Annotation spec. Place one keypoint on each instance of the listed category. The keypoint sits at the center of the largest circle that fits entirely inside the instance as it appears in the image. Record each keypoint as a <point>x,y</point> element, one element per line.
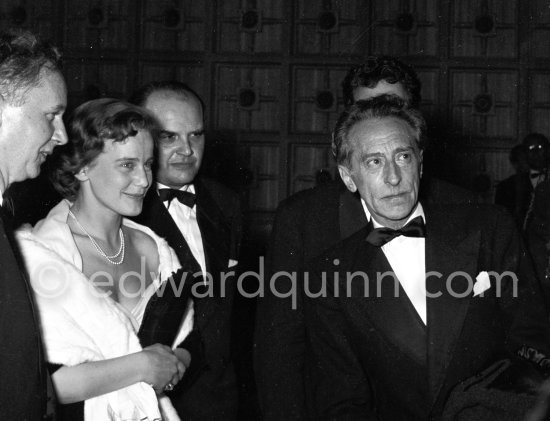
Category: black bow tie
<point>536,174</point>
<point>8,207</point>
<point>380,236</point>
<point>185,197</point>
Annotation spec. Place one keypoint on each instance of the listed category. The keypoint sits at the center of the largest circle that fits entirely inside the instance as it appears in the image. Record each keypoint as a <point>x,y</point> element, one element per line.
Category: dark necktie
<point>184,197</point>
<point>380,236</point>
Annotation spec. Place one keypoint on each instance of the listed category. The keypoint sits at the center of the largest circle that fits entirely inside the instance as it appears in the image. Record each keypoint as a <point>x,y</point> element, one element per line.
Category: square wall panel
<point>316,98</point>
<point>189,73</point>
<point>174,25</point>
<point>247,97</point>
<point>481,170</point>
<point>332,27</point>
<point>26,14</point>
<point>539,102</point>
<point>90,79</point>
<point>406,27</point>
<point>429,78</point>
<point>263,163</point>
<point>484,104</point>
<point>539,28</point>
<point>312,165</point>
<point>251,26</point>
<point>95,25</point>
<point>498,164</point>
<point>484,28</point>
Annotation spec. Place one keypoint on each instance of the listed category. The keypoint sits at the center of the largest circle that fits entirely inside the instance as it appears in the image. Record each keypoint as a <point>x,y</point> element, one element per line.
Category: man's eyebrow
<point>167,132</point>
<point>404,148</point>
<point>370,155</point>
<point>128,158</point>
<point>58,108</point>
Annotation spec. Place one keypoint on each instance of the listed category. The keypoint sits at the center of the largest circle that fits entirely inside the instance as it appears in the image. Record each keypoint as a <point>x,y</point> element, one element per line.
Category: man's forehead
<point>381,129</point>
<point>163,98</point>
<point>53,87</point>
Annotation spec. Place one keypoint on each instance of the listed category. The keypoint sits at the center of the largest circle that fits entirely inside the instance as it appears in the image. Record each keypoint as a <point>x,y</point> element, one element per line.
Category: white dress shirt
<point>186,220</point>
<point>407,257</point>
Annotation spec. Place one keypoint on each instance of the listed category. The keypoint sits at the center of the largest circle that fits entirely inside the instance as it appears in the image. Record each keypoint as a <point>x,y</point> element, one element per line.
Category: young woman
<point>93,271</point>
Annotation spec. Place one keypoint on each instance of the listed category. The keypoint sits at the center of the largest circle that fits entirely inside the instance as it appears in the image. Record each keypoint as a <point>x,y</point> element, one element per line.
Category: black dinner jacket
<point>22,370</point>
<point>214,395</point>
<point>369,355</point>
<point>306,224</point>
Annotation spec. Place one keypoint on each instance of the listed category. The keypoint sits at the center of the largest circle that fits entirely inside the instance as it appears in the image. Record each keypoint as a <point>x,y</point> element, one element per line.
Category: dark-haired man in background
<point>201,220</point>
<point>33,97</point>
<point>516,192</point>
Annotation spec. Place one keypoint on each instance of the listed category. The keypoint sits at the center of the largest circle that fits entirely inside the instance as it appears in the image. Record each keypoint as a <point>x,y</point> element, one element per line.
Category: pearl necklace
<point>99,249</point>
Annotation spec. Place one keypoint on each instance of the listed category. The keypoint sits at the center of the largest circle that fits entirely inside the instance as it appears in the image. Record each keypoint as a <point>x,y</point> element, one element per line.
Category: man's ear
<point>346,178</point>
<point>82,175</point>
<point>421,155</point>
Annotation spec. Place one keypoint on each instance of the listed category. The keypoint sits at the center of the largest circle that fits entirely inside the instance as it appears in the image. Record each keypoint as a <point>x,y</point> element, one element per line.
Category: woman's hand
<point>161,367</point>
<point>184,356</point>
<point>156,365</point>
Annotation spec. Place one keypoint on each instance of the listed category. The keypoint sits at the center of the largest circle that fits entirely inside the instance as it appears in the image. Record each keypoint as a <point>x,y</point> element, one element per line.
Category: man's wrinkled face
<point>181,140</point>
<point>29,131</point>
<point>385,168</point>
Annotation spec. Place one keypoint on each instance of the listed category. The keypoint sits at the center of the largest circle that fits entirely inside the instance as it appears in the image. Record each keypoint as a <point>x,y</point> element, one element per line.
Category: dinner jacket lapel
<point>156,216</point>
<point>388,307</point>
<point>451,255</point>
<point>351,214</point>
<point>216,237</point>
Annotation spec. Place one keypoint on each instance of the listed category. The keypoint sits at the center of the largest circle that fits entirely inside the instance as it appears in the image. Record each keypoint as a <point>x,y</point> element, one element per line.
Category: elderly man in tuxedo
<point>306,224</point>
<point>33,97</point>
<point>201,220</point>
<point>422,297</point>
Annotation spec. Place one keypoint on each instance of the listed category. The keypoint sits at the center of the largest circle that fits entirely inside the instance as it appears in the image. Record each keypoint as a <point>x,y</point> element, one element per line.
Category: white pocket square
<point>232,263</point>
<point>482,283</point>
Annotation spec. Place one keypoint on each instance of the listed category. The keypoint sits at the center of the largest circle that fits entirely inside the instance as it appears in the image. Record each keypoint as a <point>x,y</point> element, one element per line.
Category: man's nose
<point>185,147</point>
<point>392,174</point>
<point>59,134</point>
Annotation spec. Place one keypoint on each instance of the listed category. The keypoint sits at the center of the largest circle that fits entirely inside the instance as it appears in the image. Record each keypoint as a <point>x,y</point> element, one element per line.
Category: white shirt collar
<point>419,211</point>
<point>188,187</point>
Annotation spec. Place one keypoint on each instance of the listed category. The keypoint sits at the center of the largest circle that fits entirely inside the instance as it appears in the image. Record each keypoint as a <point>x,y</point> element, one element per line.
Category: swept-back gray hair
<point>372,109</point>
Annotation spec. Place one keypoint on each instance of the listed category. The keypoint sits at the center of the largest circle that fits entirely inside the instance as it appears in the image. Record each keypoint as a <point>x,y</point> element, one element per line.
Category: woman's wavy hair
<point>90,125</point>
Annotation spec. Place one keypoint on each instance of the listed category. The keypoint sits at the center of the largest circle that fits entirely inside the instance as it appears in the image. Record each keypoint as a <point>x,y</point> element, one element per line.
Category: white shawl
<point>80,323</point>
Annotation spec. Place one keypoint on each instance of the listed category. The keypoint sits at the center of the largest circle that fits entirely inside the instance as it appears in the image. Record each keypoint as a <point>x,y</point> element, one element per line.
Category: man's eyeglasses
<point>533,148</point>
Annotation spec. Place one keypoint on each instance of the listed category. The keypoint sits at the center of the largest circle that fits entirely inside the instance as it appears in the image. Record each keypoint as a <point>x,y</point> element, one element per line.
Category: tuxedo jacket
<point>22,370</point>
<point>370,356</point>
<point>306,224</point>
<point>213,396</point>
